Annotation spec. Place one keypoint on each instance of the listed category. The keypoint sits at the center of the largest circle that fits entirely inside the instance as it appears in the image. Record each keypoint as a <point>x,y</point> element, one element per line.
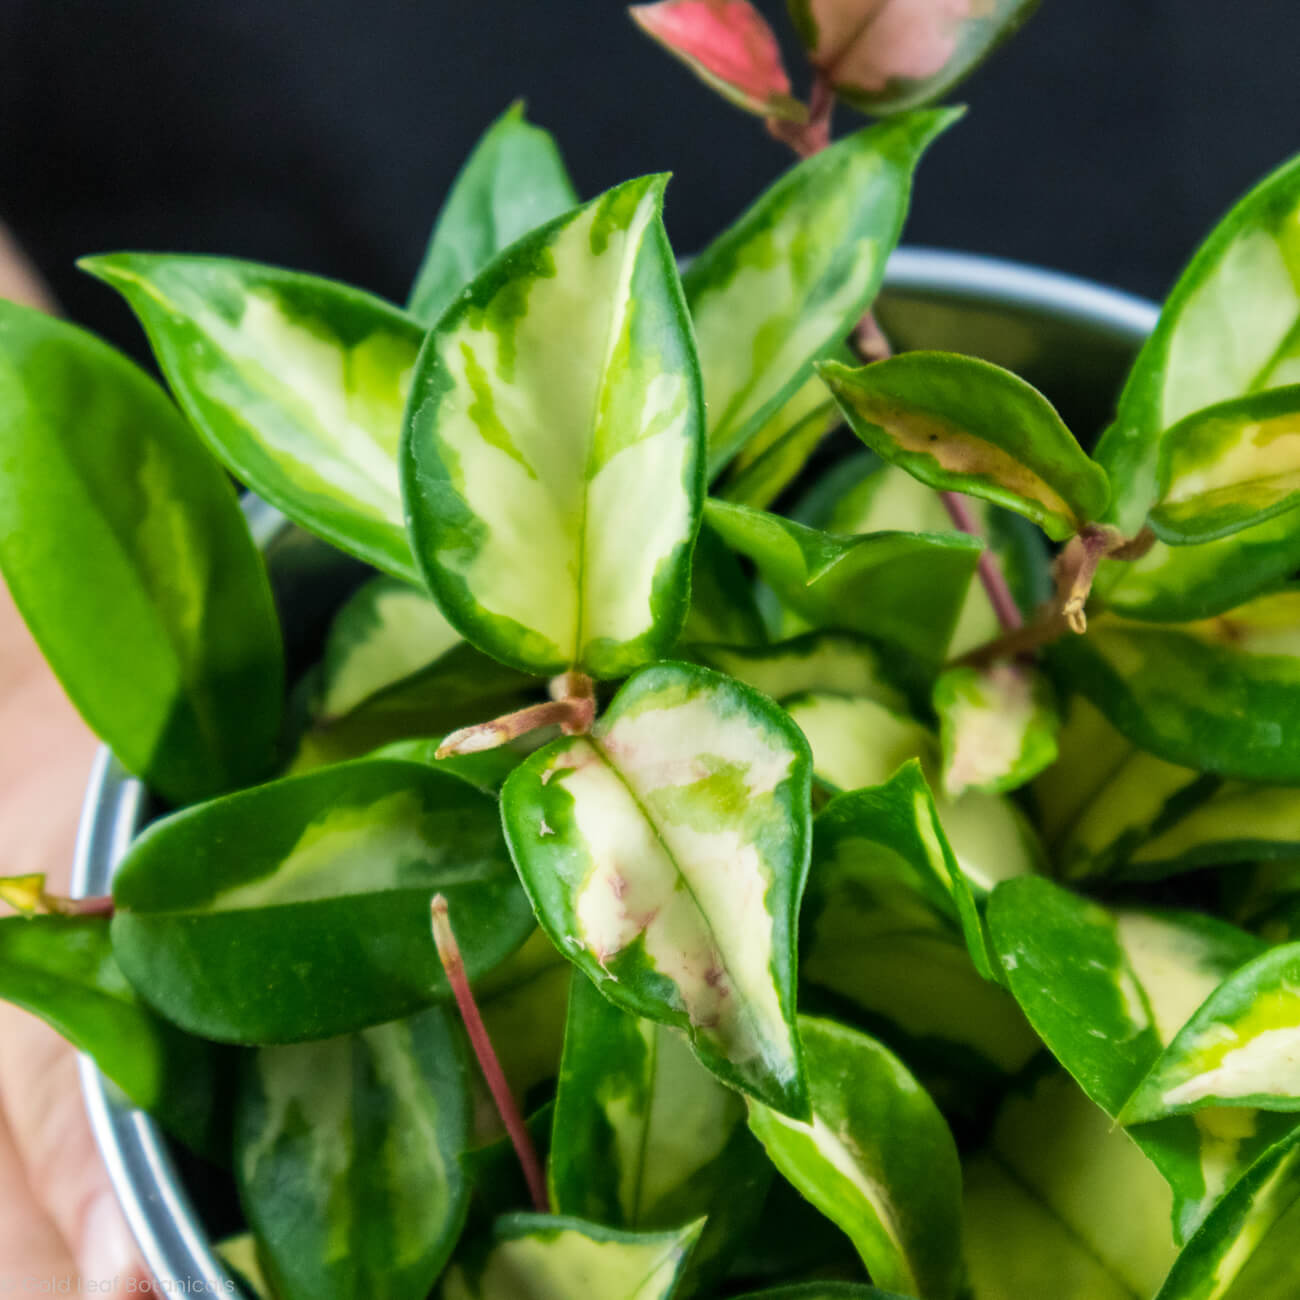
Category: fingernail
<point>107,1251</point>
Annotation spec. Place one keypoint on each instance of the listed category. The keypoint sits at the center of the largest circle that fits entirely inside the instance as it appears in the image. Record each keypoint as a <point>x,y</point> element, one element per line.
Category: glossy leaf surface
<point>795,273</point>
<point>296,383</point>
<point>885,57</point>
<point>549,1257</point>
<point>903,588</point>
<point>126,552</point>
<point>729,45</point>
<point>963,425</point>
<point>512,182</point>
<point>876,1158</point>
<point>1220,696</point>
<point>1239,1048</point>
<point>327,879</point>
<point>552,459</point>
<point>997,726</point>
<point>644,1137</point>
<point>1229,467</point>
<point>1230,327</point>
<point>62,970</point>
<point>348,1159</point>
<point>665,854</point>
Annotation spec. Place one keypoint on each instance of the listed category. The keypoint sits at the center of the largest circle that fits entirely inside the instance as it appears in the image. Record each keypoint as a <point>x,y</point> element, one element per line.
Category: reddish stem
<point>449,954</point>
<point>101,905</point>
<point>573,714</point>
<point>991,575</point>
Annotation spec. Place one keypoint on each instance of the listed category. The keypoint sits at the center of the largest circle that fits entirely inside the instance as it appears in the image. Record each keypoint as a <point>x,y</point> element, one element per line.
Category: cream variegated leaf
<point>296,383</point>
<point>553,454</point>
<point>665,854</point>
<point>546,1256</point>
<point>794,274</point>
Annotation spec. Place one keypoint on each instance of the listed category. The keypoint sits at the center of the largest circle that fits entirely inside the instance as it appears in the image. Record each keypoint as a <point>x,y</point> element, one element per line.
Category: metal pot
<point>1068,337</point>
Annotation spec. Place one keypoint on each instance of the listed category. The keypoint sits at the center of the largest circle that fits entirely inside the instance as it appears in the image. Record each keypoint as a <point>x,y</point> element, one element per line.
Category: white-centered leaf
<point>876,1158</point>
<point>665,854</point>
<point>553,453</point>
<point>296,383</point>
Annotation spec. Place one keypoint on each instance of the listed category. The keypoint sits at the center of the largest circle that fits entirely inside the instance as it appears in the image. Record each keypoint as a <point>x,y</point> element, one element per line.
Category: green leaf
<point>348,1159</point>
<point>300,909</point>
<point>1229,467</point>
<point>881,58</point>
<point>243,1256</point>
<point>876,1158</point>
<point>793,275</point>
<point>296,383</point>
<point>62,969</point>
<point>997,725</point>
<point>776,454</point>
<point>834,662</point>
<point>644,1137</point>
<point>902,588</point>
<point>898,821</point>
<point>1060,1203</point>
<point>386,631</point>
<point>1172,584</point>
<point>665,855</point>
<point>1220,696</point>
<point>546,1256</point>
<point>512,182</point>
<point>823,1291</point>
<point>723,607</point>
<point>963,425</point>
<point>1245,1250</point>
<point>126,552</point>
<point>553,454</point>
<point>1230,327</point>
<point>1239,1048</point>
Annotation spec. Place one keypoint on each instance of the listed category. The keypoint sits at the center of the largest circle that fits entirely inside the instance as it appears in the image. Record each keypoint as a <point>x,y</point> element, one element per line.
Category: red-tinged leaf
<point>728,44</point>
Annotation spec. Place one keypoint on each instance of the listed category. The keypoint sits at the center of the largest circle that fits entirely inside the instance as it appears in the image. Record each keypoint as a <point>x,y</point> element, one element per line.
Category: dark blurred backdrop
<point>1104,139</point>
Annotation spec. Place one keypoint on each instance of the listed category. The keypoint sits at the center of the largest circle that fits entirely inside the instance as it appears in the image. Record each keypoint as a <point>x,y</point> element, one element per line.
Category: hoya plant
<point>694,865</point>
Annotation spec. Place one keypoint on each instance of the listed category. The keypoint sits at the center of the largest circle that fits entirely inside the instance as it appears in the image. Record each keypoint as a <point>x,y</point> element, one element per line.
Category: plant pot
<point>1070,338</point>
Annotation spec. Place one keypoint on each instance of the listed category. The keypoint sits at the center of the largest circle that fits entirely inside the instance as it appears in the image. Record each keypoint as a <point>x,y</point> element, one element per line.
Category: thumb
<point>41,1095</point>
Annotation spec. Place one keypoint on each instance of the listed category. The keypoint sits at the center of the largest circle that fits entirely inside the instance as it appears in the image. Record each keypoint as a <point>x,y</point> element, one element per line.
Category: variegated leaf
<point>1230,327</point>
<point>883,57</point>
<point>1060,1203</point>
<point>327,878</point>
<point>386,631</point>
<point>729,45</point>
<point>512,182</point>
<point>644,1137</point>
<point>123,547</point>
<point>795,273</point>
<point>296,383</point>
<point>963,425</point>
<point>823,1291</point>
<point>1229,467</point>
<point>347,1154</point>
<point>876,1158</point>
<point>1221,696</point>
<point>857,742</point>
<point>1240,1048</point>
<point>1245,1250</point>
<point>775,456</point>
<point>997,726</point>
<point>902,588</point>
<point>665,854</point>
<point>834,662</point>
<point>553,453</point>
<point>546,1257</point>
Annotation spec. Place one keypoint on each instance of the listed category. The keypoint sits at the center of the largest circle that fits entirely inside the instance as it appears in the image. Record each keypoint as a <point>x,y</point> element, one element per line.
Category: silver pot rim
<point>157,1207</point>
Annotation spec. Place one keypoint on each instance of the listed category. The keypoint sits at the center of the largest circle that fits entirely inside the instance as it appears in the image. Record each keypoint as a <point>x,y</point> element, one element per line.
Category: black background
<point>1104,139</point>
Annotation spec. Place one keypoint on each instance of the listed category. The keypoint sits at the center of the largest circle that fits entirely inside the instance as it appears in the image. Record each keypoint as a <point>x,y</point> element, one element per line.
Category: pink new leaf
<point>729,45</point>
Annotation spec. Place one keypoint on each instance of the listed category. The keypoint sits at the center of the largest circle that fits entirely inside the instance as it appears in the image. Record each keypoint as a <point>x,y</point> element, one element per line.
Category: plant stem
<point>449,954</point>
<point>812,136</point>
<point>572,708</point>
<point>990,571</point>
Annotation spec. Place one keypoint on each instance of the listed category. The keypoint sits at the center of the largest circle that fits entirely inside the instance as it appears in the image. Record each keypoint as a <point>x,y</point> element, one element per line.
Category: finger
<point>41,1094</point>
<point>31,1251</point>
